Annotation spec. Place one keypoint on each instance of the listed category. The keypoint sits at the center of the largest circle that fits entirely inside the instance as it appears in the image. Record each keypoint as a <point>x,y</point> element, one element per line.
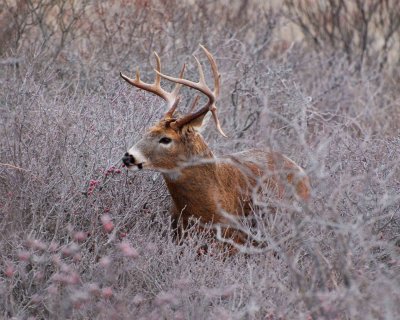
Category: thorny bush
<point>83,238</point>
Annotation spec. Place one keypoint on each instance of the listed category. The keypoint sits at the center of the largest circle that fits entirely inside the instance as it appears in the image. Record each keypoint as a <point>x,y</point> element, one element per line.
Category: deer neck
<point>194,186</point>
<point>196,170</point>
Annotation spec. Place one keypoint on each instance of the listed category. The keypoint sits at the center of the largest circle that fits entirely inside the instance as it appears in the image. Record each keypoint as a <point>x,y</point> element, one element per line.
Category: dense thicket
<point>82,238</point>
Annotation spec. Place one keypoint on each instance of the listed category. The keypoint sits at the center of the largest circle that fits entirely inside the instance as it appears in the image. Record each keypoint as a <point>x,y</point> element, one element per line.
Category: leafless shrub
<point>364,30</point>
<point>81,238</point>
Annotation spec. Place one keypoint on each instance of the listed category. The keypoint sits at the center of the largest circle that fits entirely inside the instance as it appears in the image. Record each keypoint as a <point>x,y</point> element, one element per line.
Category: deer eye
<point>165,140</point>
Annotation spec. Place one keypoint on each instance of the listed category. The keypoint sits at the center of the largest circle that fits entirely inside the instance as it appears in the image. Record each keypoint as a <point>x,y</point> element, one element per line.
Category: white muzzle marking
<point>139,158</point>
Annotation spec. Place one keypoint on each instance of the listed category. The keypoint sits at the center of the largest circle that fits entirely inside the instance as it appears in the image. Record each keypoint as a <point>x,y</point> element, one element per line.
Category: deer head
<point>174,140</point>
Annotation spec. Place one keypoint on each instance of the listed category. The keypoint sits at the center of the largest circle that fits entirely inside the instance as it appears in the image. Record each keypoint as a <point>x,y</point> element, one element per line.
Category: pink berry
<point>107,292</point>
<point>107,223</point>
<point>80,236</point>
<point>9,272</point>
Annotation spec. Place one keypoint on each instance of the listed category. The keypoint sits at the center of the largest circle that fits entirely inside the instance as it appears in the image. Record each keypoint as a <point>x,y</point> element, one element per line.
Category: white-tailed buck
<point>201,184</point>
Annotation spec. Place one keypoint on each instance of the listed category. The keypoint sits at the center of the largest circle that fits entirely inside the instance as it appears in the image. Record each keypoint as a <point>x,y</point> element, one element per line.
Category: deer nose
<point>128,159</point>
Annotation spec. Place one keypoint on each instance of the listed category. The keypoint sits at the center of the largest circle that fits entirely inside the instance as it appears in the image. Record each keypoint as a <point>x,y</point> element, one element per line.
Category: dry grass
<point>82,238</point>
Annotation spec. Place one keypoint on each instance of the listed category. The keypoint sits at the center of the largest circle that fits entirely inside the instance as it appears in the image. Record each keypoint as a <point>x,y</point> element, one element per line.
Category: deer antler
<point>202,87</point>
<point>171,98</point>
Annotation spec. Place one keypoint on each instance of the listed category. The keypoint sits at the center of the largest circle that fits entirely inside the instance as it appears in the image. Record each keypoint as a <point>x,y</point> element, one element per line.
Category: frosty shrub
<point>82,238</point>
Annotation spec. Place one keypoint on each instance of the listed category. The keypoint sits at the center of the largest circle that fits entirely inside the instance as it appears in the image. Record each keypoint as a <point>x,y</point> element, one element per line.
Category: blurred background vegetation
<point>80,238</point>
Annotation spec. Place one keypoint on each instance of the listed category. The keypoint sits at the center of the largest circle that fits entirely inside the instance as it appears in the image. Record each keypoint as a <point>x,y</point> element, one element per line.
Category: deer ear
<point>199,123</point>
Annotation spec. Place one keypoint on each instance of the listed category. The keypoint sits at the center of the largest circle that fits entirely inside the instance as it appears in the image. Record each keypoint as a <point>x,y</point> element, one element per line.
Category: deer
<point>202,185</point>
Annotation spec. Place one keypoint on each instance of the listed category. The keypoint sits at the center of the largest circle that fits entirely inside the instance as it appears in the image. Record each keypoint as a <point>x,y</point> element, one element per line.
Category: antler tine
<point>214,68</point>
<point>178,85</point>
<point>217,123</point>
<point>174,93</point>
<point>194,103</point>
<point>202,79</point>
<point>170,97</point>
<point>157,81</point>
<point>202,87</point>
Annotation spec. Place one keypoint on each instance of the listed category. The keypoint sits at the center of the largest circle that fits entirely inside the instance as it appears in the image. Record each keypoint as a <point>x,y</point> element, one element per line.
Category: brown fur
<point>202,185</point>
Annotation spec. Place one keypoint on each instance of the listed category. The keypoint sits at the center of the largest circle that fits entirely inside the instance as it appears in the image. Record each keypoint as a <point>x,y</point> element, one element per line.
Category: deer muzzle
<point>128,159</point>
